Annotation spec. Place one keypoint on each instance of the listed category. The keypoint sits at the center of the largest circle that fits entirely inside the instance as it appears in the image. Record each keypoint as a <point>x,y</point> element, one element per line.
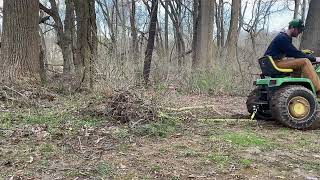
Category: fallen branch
<point>194,107</point>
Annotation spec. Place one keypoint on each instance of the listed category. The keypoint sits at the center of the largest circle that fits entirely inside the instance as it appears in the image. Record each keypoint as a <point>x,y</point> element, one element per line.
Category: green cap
<point>297,23</point>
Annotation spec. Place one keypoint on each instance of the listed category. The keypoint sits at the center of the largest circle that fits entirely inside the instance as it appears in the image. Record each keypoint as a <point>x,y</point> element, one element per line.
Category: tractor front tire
<point>262,114</point>
<point>295,107</point>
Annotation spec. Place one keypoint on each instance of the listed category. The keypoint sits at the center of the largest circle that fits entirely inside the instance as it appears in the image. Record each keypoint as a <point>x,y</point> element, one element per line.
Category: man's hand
<point>318,59</point>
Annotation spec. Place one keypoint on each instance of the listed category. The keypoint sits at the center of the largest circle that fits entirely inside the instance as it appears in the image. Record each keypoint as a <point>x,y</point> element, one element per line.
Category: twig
<point>80,145</point>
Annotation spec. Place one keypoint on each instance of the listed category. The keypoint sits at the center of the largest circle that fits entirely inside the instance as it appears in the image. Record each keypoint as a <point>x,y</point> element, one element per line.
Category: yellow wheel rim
<point>299,107</point>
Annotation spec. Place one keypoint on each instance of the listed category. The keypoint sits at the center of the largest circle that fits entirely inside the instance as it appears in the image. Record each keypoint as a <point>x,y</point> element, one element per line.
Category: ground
<point>190,140</point>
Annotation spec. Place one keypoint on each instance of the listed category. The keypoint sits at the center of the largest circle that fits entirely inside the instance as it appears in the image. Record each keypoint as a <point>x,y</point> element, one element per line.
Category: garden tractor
<point>284,97</point>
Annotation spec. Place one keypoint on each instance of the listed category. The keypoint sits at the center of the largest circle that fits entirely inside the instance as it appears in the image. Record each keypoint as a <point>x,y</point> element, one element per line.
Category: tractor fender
<point>279,82</point>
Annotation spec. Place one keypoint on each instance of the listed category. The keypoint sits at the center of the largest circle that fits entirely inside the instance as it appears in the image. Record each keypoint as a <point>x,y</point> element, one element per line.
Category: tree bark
<point>304,10</point>
<point>296,9</point>
<point>67,41</point>
<point>175,15</point>
<point>43,62</point>
<point>233,34</point>
<point>20,40</point>
<point>166,28</point>
<point>86,43</point>
<point>196,23</point>
<point>222,23</point>
<point>311,36</point>
<point>151,39</point>
<point>65,34</point>
<point>134,34</point>
<point>204,34</point>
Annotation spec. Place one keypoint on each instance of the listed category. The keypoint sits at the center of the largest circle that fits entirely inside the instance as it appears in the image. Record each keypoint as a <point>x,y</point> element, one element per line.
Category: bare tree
<point>304,10</point>
<point>166,27</point>
<point>311,36</point>
<point>151,40</point>
<point>219,15</point>
<point>259,18</point>
<point>20,40</point>
<point>65,32</point>
<point>296,8</point>
<point>111,14</point>
<point>86,42</point>
<point>134,34</point>
<point>233,34</point>
<point>174,10</point>
<point>203,33</point>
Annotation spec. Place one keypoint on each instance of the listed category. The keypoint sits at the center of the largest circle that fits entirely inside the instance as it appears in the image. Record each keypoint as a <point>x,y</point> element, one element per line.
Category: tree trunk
<point>65,35</point>
<point>218,23</point>
<point>311,36</point>
<point>67,42</point>
<point>151,39</point>
<point>134,45</point>
<point>86,42</point>
<point>166,29</point>
<point>221,6</point>
<point>233,35</point>
<point>196,23</point>
<point>175,14</point>
<point>43,62</point>
<point>304,10</point>
<point>20,40</point>
<point>296,9</point>
<point>204,34</point>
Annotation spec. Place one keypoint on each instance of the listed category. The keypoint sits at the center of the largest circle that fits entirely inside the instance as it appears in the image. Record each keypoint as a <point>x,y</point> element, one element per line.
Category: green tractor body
<point>290,100</point>
<point>274,83</point>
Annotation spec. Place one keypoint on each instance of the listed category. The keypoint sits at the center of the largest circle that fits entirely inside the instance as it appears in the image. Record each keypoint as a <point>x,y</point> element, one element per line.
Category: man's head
<point>296,27</point>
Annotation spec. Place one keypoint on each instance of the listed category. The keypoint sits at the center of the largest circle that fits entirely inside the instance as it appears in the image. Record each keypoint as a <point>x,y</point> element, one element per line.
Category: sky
<point>278,21</point>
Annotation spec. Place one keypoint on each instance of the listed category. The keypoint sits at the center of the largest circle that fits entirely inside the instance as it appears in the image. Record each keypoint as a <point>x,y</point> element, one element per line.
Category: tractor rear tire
<point>262,114</point>
<point>284,98</point>
<point>316,124</point>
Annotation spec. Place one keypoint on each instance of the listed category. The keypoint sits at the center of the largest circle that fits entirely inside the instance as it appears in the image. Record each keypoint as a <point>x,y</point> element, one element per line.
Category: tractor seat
<point>269,68</point>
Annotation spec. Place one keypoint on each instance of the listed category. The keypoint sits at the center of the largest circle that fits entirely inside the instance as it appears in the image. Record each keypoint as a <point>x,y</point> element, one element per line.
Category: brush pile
<point>125,107</point>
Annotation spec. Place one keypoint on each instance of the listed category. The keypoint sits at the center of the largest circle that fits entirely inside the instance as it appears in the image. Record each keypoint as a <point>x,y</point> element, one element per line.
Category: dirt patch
<point>201,150</point>
<point>62,143</point>
<point>206,106</point>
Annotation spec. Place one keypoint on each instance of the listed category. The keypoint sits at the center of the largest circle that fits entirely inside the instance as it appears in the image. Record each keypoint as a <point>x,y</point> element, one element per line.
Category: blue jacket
<point>281,46</point>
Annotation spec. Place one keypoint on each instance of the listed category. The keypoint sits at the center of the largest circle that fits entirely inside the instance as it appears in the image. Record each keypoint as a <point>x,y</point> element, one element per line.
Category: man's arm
<point>291,51</point>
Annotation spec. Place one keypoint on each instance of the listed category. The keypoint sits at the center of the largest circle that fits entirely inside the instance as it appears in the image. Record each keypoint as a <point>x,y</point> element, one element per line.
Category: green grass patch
<point>47,148</point>
<point>48,119</point>
<point>104,169</point>
<point>123,147</point>
<point>75,173</point>
<point>246,162</point>
<point>53,120</point>
<point>246,139</point>
<point>180,146</point>
<point>162,128</point>
<point>189,153</point>
<point>220,159</point>
<point>121,134</point>
<point>155,168</point>
<point>7,120</point>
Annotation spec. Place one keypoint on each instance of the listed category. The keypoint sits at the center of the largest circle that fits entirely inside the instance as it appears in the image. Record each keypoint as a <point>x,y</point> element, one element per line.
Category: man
<point>281,47</point>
